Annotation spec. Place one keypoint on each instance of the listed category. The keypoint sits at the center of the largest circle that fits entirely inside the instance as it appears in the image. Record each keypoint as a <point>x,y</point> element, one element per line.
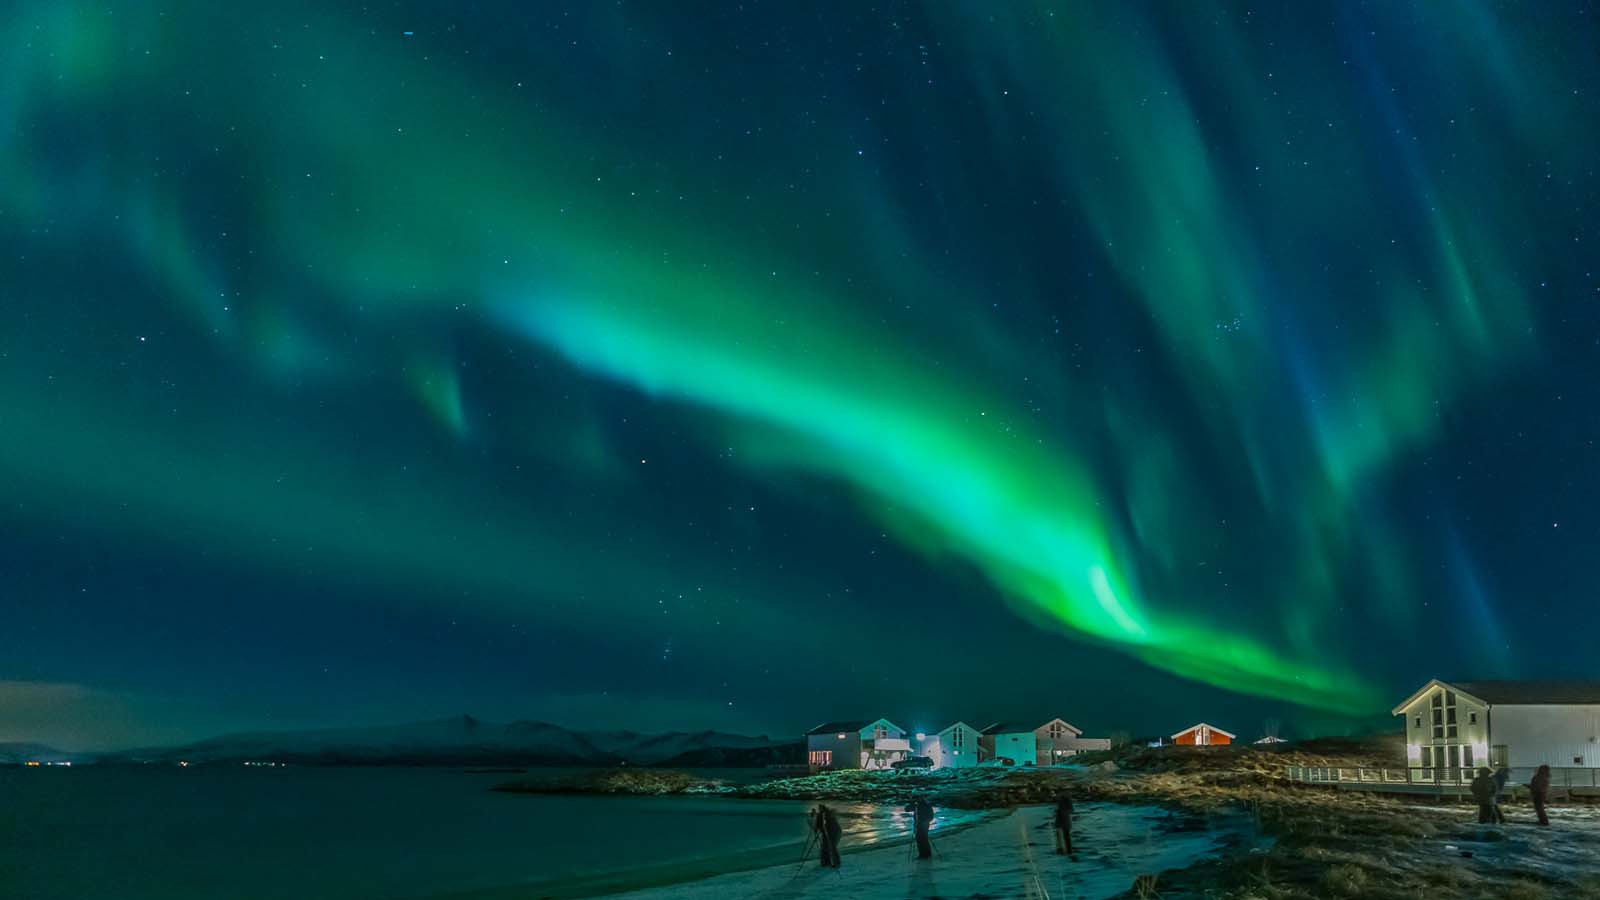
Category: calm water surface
<point>330,834</point>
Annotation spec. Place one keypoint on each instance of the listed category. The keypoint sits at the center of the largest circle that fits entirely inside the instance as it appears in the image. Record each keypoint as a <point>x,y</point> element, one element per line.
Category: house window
<point>1472,718</point>
<point>822,759</point>
<point>1057,729</point>
<point>955,739</point>
<point>1419,720</point>
<point>1466,755</point>
<point>879,732</point>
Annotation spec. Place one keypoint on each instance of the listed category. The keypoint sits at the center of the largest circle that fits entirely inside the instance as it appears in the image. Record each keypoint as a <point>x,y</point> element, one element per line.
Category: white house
<point>955,746</point>
<point>1454,727</point>
<point>856,744</point>
<point>1037,745</point>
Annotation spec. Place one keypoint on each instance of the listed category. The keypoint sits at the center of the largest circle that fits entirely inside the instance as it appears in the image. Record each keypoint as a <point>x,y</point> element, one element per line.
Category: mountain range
<point>460,740</point>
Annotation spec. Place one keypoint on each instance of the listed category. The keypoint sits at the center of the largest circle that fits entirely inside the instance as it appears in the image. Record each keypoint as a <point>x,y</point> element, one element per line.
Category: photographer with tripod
<point>827,831</point>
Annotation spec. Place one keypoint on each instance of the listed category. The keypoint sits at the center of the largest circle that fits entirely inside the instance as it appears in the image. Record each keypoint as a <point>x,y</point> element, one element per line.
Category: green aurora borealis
<point>1080,307</point>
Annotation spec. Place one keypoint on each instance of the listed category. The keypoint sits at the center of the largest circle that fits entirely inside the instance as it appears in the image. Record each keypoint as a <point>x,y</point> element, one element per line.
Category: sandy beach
<point>1006,854</point>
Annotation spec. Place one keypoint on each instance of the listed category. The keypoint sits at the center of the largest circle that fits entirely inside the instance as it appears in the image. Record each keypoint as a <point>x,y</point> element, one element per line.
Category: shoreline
<point>692,871</point>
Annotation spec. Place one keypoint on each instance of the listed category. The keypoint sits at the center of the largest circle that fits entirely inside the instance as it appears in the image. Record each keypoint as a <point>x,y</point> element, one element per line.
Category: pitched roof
<point>1533,692</point>
<point>1019,727</point>
<point>836,727</point>
<point>952,727</point>
<point>1227,734</point>
<point>1513,693</point>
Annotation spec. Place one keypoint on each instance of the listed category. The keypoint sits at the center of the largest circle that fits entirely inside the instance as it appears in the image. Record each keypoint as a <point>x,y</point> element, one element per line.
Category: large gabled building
<point>1452,727</point>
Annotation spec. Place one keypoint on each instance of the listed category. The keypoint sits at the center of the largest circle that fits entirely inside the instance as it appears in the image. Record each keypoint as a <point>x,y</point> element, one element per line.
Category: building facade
<point>1203,735</point>
<point>1028,744</point>
<point>1454,727</point>
<point>955,746</point>
<point>856,744</point>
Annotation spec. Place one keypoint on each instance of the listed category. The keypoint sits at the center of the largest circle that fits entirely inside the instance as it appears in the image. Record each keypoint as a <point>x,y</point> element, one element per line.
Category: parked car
<point>913,762</point>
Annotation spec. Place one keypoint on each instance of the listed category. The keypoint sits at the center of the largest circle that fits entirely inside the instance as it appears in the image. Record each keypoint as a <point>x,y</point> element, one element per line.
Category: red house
<point>1203,735</point>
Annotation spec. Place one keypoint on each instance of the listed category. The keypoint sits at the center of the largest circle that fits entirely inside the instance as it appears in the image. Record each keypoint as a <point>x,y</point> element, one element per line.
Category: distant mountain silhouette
<point>459,740</point>
<point>20,753</point>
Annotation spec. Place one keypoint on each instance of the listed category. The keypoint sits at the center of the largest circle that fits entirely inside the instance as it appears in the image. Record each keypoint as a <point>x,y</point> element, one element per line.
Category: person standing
<point>1539,787</point>
<point>922,820</point>
<point>1501,776</point>
<point>1483,791</point>
<point>1063,823</point>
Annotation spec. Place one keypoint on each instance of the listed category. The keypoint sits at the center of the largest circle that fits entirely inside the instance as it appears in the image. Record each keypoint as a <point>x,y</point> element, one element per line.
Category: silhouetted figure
<point>826,825</point>
<point>1539,787</point>
<point>922,820</point>
<point>1500,778</point>
<point>1063,823</point>
<point>1483,791</point>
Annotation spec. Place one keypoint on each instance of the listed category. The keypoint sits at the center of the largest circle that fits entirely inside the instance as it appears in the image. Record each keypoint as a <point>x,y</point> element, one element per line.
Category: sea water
<point>141,833</point>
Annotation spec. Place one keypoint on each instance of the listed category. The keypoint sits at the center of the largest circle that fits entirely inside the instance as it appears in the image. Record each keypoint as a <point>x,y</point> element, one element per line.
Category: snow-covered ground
<point>1006,854</point>
<point>1566,851</point>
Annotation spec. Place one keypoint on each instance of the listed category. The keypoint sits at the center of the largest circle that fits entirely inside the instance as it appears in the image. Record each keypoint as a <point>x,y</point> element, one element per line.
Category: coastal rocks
<point>984,787</point>
<point>618,781</point>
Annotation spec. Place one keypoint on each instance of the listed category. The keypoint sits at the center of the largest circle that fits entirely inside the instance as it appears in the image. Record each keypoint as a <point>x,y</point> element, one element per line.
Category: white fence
<point>1433,776</point>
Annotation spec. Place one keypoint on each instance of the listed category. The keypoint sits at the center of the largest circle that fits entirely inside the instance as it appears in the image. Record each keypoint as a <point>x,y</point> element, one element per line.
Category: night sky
<point>750,364</point>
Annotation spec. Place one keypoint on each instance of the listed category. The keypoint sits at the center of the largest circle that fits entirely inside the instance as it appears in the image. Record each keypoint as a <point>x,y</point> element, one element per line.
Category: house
<point>1203,735</point>
<point>955,746</point>
<point>1454,727</point>
<point>1027,744</point>
<point>856,744</point>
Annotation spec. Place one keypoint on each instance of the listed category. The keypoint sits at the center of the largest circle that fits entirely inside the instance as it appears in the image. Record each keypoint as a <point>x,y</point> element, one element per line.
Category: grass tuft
<point>1346,880</point>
